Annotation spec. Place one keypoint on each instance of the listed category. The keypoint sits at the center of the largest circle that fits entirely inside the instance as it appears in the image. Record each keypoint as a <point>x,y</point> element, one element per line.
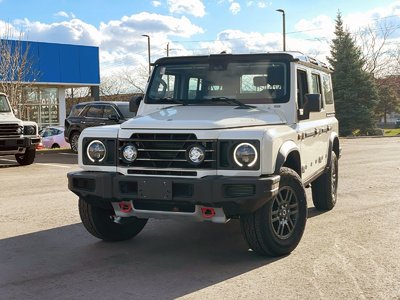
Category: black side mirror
<point>312,103</point>
<point>113,117</point>
<point>134,103</point>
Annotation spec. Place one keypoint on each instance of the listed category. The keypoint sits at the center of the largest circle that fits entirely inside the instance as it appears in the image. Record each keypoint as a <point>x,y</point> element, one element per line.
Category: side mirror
<point>134,103</point>
<point>312,103</point>
<point>113,117</point>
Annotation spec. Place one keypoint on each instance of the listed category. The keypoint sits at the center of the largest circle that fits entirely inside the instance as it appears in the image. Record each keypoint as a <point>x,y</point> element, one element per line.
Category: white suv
<point>216,138</point>
<point>17,137</point>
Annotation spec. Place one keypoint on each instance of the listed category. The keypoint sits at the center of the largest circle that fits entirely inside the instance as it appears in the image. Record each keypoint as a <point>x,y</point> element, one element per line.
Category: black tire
<point>73,141</point>
<point>55,146</point>
<point>276,228</point>
<point>324,189</point>
<point>27,158</point>
<point>98,221</point>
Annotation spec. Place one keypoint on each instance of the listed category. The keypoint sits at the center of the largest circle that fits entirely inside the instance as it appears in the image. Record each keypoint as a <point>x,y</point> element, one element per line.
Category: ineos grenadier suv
<point>216,138</point>
<point>17,137</point>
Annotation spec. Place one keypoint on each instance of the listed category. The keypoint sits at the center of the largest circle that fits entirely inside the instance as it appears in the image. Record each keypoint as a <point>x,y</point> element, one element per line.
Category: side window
<point>326,84</point>
<point>95,111</point>
<point>315,84</point>
<point>195,88</point>
<point>302,87</point>
<point>109,110</point>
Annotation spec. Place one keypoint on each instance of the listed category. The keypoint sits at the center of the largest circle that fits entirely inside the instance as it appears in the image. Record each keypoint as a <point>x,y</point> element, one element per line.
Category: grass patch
<point>392,132</point>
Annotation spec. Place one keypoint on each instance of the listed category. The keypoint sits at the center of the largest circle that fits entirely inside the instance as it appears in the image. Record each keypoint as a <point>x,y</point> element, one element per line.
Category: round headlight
<point>96,151</point>
<point>245,154</point>
<point>129,153</point>
<point>29,130</point>
<point>196,155</point>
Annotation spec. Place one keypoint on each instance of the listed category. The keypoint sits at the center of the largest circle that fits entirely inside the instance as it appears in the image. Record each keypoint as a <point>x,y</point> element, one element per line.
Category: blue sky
<point>190,26</point>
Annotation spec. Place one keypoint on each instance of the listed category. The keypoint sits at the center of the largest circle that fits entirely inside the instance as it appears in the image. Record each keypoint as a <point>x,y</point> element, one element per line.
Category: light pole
<point>283,27</point>
<point>148,50</point>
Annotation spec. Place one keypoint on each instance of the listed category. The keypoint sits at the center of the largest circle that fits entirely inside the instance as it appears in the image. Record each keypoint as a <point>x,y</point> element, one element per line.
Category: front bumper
<point>235,195</point>
<point>17,143</point>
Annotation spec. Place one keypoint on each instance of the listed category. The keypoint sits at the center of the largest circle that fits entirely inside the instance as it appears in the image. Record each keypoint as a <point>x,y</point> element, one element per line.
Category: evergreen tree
<point>355,91</point>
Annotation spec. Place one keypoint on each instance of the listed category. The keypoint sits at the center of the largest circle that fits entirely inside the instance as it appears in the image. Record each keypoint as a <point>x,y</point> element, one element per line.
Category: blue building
<point>55,68</point>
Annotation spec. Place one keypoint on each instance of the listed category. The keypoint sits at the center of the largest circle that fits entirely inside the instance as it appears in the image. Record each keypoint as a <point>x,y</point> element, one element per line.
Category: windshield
<point>4,107</point>
<point>247,82</point>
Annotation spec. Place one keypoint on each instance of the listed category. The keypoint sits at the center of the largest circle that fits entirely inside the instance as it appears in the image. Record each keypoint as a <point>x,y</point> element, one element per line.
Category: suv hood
<point>8,117</point>
<point>204,117</point>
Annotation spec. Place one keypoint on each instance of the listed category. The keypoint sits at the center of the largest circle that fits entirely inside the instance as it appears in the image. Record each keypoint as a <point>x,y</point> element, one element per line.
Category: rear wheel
<point>324,189</point>
<point>99,222</point>
<point>27,158</point>
<point>73,140</point>
<point>276,228</point>
<point>55,146</point>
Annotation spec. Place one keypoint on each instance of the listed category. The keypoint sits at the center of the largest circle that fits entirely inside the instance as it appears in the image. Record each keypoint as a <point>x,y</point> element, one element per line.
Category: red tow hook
<point>207,212</point>
<point>125,207</point>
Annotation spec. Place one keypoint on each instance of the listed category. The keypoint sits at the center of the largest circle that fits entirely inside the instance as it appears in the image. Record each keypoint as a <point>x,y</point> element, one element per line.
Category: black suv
<point>97,113</point>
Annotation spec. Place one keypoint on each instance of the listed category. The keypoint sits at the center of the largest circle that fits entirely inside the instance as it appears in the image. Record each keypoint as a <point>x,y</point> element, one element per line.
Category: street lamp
<point>283,27</point>
<point>148,50</point>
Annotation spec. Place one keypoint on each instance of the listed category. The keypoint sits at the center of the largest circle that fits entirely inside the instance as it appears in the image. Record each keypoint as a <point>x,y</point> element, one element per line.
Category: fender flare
<point>334,136</point>
<point>284,151</point>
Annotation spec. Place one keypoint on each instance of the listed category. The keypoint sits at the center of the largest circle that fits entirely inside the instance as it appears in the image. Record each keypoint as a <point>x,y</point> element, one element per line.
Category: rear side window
<point>95,111</point>
<point>327,87</point>
<point>76,110</point>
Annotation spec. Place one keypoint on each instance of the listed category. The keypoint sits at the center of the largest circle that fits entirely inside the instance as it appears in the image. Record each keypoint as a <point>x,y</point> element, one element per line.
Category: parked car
<point>53,137</point>
<point>96,113</point>
<point>17,137</point>
<point>398,123</point>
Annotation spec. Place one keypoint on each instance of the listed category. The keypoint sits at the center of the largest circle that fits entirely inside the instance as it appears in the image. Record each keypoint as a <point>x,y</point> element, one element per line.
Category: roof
<point>285,56</point>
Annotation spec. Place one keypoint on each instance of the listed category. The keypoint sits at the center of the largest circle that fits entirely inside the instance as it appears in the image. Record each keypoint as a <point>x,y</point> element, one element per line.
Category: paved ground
<point>351,252</point>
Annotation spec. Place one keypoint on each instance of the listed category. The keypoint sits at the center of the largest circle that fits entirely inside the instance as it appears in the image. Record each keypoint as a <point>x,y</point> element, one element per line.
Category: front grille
<point>168,151</point>
<point>9,130</point>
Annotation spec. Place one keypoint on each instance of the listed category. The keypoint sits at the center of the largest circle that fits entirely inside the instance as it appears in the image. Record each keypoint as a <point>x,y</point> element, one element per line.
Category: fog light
<point>129,153</point>
<point>196,155</point>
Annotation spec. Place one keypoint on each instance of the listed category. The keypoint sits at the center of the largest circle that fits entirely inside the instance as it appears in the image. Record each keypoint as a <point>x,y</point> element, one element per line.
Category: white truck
<point>217,137</point>
<point>17,137</point>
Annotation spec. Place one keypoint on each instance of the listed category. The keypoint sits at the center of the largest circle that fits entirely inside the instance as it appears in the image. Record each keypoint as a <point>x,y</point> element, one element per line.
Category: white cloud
<point>156,3</point>
<point>234,8</point>
<point>263,4</point>
<point>64,14</point>
<point>61,14</point>
<point>190,7</point>
<point>321,26</point>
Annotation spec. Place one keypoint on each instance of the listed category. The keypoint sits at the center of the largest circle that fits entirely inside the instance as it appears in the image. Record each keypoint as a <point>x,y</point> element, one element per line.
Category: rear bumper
<point>235,195</point>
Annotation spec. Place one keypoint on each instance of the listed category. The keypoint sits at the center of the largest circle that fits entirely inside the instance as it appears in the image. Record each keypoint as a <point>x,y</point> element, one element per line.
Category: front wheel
<point>27,158</point>
<point>73,140</point>
<point>99,222</point>
<point>324,189</point>
<point>276,228</point>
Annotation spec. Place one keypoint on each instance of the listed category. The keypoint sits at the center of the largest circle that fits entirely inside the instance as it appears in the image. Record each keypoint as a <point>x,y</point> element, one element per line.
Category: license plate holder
<point>155,189</point>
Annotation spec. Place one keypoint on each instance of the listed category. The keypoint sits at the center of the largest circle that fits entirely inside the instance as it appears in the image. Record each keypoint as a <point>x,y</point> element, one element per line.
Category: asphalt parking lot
<point>351,252</point>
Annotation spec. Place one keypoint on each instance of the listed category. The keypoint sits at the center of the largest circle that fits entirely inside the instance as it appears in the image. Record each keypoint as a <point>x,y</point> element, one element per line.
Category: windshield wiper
<point>171,100</point>
<point>231,101</point>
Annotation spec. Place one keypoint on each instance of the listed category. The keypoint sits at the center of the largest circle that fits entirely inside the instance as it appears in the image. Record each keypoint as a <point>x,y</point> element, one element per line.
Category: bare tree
<point>135,79</point>
<point>112,85</point>
<point>377,50</point>
<point>17,70</point>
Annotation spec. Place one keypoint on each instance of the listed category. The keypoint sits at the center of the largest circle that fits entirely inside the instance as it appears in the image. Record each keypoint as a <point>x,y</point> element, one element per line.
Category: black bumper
<point>15,143</point>
<point>236,195</point>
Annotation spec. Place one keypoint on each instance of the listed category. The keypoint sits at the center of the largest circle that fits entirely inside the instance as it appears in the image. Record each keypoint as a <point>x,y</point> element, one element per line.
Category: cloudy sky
<point>190,26</point>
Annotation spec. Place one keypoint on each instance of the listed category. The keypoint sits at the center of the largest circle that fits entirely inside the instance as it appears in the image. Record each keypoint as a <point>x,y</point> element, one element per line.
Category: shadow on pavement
<point>313,212</point>
<point>167,260</point>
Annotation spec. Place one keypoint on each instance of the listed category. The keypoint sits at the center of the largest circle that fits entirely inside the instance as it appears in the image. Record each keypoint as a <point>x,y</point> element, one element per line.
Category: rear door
<point>93,116</point>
